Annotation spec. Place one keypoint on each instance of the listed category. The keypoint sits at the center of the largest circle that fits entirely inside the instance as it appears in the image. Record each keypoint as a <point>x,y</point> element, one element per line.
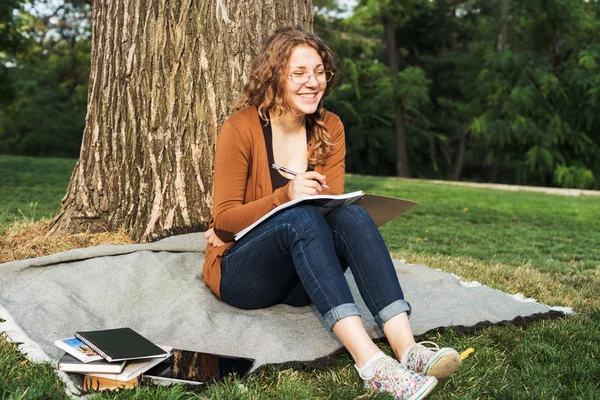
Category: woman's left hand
<point>212,238</point>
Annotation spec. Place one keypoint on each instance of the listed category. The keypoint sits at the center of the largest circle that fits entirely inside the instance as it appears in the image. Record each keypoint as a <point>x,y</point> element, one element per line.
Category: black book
<point>120,344</point>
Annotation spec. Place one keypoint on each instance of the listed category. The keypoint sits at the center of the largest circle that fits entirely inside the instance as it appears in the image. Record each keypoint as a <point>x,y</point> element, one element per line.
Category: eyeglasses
<point>303,77</point>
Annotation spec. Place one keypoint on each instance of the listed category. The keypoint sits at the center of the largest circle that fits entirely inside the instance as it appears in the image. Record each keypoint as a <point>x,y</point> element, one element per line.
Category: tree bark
<point>399,117</point>
<point>163,78</point>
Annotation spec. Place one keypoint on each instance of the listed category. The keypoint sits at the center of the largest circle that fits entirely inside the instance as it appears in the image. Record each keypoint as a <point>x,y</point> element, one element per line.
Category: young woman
<point>298,257</point>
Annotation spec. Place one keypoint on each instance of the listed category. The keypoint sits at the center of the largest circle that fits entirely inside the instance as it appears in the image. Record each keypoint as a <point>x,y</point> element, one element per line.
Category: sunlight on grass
<point>554,288</point>
<point>28,240</point>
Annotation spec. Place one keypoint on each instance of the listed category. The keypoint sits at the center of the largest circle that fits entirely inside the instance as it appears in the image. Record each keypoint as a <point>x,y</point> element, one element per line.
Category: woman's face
<point>304,98</point>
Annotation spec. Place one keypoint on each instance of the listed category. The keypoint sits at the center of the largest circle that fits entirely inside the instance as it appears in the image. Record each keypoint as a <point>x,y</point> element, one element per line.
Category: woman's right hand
<point>212,238</point>
<point>306,183</point>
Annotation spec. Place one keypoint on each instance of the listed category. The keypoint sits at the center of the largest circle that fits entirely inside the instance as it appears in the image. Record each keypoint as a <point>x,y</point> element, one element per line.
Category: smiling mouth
<point>308,96</point>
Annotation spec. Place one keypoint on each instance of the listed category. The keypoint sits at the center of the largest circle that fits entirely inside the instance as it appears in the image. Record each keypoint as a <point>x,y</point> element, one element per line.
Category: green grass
<point>544,246</point>
<point>32,188</point>
<point>551,231</point>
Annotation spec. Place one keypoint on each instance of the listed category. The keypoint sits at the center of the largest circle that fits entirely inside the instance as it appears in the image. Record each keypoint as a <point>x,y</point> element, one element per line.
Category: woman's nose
<point>312,80</point>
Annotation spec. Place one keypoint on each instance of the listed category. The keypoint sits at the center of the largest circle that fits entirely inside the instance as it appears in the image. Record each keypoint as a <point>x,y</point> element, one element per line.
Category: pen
<point>289,171</point>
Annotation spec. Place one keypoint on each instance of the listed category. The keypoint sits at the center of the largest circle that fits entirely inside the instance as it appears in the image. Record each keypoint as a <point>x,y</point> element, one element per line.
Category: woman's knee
<point>355,210</point>
<point>352,216</point>
<point>302,218</point>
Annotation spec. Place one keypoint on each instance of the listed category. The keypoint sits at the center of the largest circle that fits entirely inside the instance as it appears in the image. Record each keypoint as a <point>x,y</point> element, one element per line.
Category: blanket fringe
<point>517,296</point>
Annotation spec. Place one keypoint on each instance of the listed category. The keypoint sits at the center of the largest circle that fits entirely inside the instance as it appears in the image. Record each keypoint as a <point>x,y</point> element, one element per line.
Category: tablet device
<point>195,369</point>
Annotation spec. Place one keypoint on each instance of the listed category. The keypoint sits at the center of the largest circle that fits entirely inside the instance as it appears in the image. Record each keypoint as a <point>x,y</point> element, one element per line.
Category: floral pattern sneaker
<point>431,360</point>
<point>391,377</point>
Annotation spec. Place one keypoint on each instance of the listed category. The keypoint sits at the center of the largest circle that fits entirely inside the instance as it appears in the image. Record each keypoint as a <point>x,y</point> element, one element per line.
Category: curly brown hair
<point>266,87</point>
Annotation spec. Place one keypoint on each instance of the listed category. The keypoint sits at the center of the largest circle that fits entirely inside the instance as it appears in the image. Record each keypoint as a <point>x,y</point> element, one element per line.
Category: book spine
<point>95,383</point>
<point>93,346</point>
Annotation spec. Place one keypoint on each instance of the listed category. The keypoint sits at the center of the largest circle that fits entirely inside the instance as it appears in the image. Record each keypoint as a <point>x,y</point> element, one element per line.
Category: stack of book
<point>110,359</point>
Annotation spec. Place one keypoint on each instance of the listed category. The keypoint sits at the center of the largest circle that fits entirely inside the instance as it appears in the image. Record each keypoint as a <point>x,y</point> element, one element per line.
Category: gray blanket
<point>157,289</point>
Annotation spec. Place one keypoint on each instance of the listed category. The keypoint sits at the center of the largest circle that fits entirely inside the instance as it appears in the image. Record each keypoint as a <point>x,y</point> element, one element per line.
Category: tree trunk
<point>460,158</point>
<point>502,35</point>
<point>394,62</point>
<point>502,39</point>
<point>442,157</point>
<point>495,171</point>
<point>163,78</point>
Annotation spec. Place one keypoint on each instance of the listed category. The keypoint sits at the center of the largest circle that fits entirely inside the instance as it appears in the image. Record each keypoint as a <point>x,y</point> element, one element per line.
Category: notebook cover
<point>78,349</point>
<point>384,209</point>
<point>121,344</point>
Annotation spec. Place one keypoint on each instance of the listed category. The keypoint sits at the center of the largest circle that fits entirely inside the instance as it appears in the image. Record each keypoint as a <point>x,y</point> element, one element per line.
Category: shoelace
<point>420,351</point>
<point>434,348</point>
<point>386,367</point>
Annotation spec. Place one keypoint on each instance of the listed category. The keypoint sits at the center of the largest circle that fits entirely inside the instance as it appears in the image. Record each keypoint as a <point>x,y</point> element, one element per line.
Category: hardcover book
<point>121,344</point>
<point>68,363</point>
<point>96,383</point>
<point>134,368</point>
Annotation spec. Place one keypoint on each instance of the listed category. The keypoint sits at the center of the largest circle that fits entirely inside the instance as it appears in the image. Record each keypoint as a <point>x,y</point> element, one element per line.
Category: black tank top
<point>277,180</point>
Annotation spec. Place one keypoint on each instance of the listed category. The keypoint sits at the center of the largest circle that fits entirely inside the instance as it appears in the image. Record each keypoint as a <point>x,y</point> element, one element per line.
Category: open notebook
<point>382,209</point>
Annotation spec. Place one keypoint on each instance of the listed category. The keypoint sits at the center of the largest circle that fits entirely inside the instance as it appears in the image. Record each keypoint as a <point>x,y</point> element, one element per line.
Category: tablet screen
<point>195,368</point>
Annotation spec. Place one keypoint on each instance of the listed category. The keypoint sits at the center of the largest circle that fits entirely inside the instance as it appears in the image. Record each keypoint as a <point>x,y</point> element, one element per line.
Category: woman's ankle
<point>365,370</point>
<point>399,334</point>
<point>399,350</point>
<point>362,357</point>
<point>353,336</point>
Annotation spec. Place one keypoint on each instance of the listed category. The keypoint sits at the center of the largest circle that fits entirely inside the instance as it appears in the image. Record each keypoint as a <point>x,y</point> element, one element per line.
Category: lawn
<point>32,188</point>
<point>544,246</point>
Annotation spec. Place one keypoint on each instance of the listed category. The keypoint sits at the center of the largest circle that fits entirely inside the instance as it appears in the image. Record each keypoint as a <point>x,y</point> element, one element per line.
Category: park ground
<point>544,246</point>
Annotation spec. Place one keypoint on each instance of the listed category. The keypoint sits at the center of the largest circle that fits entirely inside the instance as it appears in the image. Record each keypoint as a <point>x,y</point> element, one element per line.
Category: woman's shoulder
<point>244,117</point>
<point>331,119</point>
<point>334,126</point>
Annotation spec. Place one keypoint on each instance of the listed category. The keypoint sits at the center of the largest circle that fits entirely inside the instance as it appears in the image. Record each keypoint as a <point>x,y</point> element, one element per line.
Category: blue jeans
<point>299,256</point>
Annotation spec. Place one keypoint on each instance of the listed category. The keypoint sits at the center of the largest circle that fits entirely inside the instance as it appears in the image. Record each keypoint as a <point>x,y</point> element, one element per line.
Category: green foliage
<point>10,40</point>
<point>46,81</point>
<point>413,89</point>
<point>573,176</point>
<point>520,112</point>
<point>47,116</point>
<point>471,110</point>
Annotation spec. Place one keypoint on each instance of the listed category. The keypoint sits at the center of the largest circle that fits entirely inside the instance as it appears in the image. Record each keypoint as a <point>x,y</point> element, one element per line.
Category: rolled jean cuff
<point>391,310</point>
<point>342,311</point>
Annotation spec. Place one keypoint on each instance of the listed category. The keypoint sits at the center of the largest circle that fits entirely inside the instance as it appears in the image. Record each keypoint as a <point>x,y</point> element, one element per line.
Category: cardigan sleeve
<point>334,166</point>
<point>232,167</point>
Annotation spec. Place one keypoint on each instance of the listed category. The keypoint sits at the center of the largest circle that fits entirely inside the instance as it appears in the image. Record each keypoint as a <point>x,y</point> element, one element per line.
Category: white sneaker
<point>432,360</point>
<point>387,375</point>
